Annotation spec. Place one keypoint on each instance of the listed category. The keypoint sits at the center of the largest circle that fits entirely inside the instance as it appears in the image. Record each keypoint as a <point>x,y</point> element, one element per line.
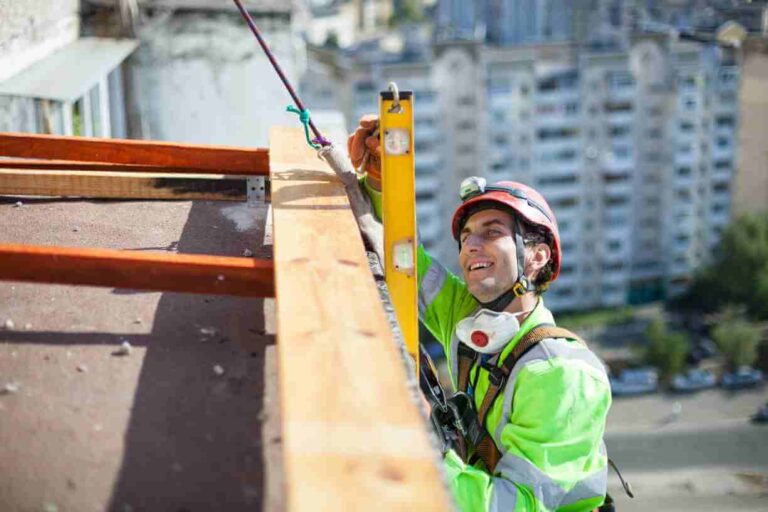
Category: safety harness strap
<point>484,447</point>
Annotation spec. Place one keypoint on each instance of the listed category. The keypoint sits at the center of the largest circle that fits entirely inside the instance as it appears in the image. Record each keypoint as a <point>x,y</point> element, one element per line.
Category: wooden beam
<point>352,436</point>
<point>121,185</point>
<point>216,275</point>
<point>216,159</point>
<point>72,166</point>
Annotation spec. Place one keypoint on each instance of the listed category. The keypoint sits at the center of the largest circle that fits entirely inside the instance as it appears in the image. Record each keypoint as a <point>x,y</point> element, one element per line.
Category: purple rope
<point>319,139</point>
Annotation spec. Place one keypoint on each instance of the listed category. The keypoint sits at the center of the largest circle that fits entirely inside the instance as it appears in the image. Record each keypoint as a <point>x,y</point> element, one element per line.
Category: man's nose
<point>472,242</point>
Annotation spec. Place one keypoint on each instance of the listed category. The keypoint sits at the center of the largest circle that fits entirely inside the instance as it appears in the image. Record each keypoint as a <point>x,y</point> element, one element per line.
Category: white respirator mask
<point>488,331</point>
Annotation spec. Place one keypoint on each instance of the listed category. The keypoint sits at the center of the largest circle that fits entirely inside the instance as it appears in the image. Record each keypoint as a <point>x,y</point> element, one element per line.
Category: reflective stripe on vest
<point>546,490</point>
<point>503,496</point>
<point>431,284</point>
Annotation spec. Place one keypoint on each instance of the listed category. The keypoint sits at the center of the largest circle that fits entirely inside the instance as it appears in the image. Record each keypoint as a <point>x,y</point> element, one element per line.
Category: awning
<point>69,73</point>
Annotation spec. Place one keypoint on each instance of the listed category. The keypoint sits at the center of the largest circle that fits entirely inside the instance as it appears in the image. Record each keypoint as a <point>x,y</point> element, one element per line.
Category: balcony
<point>427,210</point>
<point>428,183</point>
<point>427,162</point>
<point>430,229</point>
<point>558,145</point>
<point>501,101</point>
<point>619,117</point>
<point>557,96</point>
<point>618,188</point>
<point>618,164</point>
<point>723,153</point>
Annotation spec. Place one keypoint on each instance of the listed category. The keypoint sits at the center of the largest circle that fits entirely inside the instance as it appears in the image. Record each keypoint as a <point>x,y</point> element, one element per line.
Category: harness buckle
<point>496,376</point>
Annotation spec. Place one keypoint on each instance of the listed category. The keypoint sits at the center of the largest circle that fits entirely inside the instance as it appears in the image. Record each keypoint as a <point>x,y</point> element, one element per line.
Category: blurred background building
<point>624,113</point>
<point>628,127</point>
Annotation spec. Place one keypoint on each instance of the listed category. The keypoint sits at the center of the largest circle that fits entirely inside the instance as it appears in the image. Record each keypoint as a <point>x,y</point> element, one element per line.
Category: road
<point>704,457</point>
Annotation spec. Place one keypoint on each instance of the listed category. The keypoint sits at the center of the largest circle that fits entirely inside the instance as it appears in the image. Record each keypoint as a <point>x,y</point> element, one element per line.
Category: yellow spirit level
<point>399,209</point>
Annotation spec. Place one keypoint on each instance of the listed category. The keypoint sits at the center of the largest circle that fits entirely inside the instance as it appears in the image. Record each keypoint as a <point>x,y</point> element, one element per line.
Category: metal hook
<point>396,108</point>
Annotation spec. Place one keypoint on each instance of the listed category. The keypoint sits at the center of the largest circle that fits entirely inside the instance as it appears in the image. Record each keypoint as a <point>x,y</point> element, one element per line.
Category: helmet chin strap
<point>522,284</point>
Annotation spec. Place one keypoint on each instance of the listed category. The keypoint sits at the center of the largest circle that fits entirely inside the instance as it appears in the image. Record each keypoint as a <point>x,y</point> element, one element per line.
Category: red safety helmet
<point>522,199</point>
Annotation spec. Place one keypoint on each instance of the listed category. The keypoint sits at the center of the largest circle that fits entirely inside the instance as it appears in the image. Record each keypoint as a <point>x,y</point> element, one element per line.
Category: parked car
<point>744,377</point>
<point>693,380</point>
<point>635,381</point>
<point>703,348</point>
<point>761,416</point>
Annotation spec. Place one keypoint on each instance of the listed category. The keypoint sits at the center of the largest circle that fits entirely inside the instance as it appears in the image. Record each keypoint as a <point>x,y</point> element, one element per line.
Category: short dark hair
<point>534,235</point>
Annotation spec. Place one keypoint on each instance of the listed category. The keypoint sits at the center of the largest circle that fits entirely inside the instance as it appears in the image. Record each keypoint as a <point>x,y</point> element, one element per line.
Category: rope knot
<point>304,118</point>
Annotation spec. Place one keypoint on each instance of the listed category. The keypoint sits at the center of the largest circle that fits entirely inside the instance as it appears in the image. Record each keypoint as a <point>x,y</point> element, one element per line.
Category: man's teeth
<point>476,266</point>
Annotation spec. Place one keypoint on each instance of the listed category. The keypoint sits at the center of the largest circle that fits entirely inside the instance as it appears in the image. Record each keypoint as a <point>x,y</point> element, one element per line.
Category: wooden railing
<point>353,438</point>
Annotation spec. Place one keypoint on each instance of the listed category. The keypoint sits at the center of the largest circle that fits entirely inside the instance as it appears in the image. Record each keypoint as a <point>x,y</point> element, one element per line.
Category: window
<point>620,106</point>
<point>684,171</point>
<point>423,145</point>
<point>723,142</point>
<point>99,110</point>
<point>619,131</point>
<point>724,122</point>
<point>616,200</point>
<point>621,151</point>
<point>425,196</point>
<point>556,133</point>
<point>566,202</point>
<point>567,179</point>
<point>546,109</point>
<point>722,164</point>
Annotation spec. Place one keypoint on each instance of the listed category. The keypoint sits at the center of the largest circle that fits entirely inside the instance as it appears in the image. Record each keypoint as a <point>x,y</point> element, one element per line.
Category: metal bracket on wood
<point>257,189</point>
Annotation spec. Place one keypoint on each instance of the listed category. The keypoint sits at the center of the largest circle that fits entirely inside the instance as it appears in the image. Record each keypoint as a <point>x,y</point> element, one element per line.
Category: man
<point>540,395</point>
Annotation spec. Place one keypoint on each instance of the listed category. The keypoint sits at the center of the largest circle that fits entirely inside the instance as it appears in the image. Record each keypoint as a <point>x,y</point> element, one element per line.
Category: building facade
<point>631,139</point>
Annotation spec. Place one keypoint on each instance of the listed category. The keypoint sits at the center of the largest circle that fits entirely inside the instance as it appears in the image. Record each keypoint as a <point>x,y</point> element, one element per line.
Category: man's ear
<point>539,256</point>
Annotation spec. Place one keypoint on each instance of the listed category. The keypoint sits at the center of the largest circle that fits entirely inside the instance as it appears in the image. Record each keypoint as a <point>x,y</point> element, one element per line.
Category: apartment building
<point>630,139</point>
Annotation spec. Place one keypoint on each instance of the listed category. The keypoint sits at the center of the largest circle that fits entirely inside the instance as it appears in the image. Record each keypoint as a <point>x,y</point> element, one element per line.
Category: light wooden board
<point>123,185</point>
<point>353,439</point>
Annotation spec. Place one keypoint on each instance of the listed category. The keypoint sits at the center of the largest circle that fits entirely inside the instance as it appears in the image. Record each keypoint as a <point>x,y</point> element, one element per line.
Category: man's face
<point>488,257</point>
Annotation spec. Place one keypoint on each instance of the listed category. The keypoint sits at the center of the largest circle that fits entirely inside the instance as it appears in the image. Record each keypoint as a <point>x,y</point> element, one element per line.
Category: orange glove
<point>362,140</point>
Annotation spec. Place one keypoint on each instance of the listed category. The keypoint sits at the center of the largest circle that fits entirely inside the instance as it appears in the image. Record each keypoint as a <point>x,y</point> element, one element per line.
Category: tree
<point>331,40</point>
<point>736,337</point>
<point>739,272</point>
<point>407,11</point>
<point>666,349</point>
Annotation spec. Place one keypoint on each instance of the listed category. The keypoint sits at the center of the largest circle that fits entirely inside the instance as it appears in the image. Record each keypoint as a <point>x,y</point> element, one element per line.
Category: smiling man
<point>538,397</point>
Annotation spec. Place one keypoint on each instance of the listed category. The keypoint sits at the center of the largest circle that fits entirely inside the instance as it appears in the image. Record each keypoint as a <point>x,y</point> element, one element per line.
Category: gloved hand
<point>363,140</point>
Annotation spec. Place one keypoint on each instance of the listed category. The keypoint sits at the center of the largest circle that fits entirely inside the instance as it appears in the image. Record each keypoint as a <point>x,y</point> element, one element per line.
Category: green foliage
<point>331,40</point>
<point>666,349</point>
<point>739,273</point>
<point>408,11</point>
<point>596,318</point>
<point>736,337</point>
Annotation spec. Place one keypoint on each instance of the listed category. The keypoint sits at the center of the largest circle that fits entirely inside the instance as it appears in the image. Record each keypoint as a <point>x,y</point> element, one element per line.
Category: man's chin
<point>482,292</point>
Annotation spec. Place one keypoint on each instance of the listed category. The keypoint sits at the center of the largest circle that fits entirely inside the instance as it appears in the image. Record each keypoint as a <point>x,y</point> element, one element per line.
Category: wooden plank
<point>121,185</point>
<point>190,273</point>
<point>216,159</point>
<point>72,165</point>
<point>353,438</point>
